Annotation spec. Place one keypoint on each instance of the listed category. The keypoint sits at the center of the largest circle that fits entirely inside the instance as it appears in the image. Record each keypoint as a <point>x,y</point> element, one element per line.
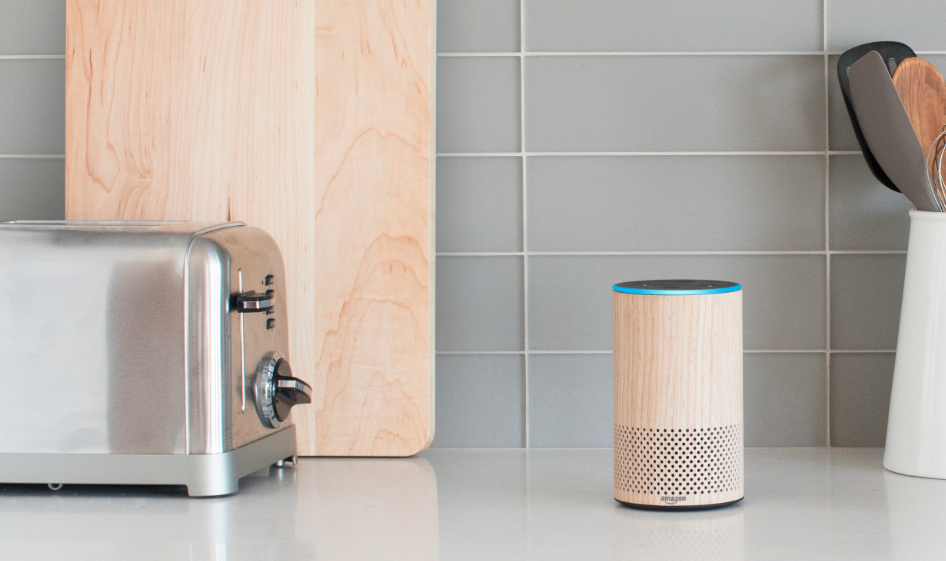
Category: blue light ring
<point>658,292</point>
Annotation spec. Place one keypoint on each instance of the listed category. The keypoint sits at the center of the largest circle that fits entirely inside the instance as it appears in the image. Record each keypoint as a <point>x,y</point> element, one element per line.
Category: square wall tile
<point>783,296</point>
<point>840,130</point>
<point>785,399</point>
<point>918,23</point>
<point>638,203</point>
<point>571,401</point>
<point>864,214</point>
<point>32,189</point>
<point>484,26</point>
<point>480,401</point>
<point>479,304</point>
<point>866,293</point>
<point>674,103</point>
<point>478,104</point>
<point>33,110</point>
<point>860,398</point>
<point>479,204</point>
<point>34,27</point>
<point>690,25</point>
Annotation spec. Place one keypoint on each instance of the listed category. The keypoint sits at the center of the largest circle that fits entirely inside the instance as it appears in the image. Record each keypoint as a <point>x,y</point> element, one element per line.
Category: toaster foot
<point>223,477</point>
<point>282,463</point>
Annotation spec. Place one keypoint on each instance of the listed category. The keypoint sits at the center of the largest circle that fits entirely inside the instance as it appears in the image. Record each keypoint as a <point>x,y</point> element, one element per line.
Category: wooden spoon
<point>888,131</point>
<point>923,92</point>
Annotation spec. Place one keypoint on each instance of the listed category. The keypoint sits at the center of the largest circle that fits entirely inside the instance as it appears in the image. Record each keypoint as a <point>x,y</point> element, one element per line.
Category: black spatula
<point>892,53</point>
<point>888,131</point>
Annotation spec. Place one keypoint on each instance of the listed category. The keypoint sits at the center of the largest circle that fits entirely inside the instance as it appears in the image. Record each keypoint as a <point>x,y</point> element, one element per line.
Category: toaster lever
<point>252,301</point>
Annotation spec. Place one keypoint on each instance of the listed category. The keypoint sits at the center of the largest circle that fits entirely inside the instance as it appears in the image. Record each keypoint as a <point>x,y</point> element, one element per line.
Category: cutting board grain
<point>310,119</point>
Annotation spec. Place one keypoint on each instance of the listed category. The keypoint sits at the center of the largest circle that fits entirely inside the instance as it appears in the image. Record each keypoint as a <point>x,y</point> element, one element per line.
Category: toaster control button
<point>277,391</point>
<point>270,280</point>
<point>252,301</point>
<point>271,323</point>
<point>289,391</point>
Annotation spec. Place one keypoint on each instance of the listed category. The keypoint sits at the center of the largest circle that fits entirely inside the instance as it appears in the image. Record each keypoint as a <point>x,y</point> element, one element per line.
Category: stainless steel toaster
<point>143,353</point>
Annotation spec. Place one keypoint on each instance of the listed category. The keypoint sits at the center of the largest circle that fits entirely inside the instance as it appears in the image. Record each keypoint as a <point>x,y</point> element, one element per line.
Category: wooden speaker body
<point>678,433</point>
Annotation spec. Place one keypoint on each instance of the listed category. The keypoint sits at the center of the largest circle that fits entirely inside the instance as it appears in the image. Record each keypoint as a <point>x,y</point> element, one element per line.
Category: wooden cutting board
<point>311,119</point>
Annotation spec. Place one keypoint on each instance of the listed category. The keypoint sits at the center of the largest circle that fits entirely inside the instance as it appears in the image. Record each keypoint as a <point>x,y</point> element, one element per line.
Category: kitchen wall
<point>586,143</point>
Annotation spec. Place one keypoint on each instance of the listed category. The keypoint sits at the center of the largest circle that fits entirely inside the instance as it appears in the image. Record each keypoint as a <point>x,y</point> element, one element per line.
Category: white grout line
<point>827,223</point>
<point>32,156</point>
<point>525,229</point>
<point>855,351</point>
<point>32,57</point>
<point>645,153</point>
<point>479,154</point>
<point>745,351</point>
<point>824,52</point>
<point>480,352</point>
<point>630,53</point>
<point>660,253</point>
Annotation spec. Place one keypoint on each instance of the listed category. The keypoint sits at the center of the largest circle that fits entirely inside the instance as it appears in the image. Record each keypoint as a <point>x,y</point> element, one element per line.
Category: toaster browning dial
<point>277,391</point>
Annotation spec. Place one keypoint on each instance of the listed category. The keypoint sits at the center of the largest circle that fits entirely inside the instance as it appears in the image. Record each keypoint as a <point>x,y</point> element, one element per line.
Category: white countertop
<point>801,504</point>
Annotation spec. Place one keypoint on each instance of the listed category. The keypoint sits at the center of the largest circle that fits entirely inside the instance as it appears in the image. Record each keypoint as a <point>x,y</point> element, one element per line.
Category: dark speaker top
<point>677,287</point>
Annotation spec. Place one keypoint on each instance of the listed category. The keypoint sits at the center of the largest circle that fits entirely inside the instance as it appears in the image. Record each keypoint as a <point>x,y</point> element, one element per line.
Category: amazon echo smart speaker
<point>678,439</point>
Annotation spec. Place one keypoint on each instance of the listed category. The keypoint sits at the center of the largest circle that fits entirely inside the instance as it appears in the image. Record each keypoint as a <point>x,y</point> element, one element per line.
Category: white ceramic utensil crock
<point>916,428</point>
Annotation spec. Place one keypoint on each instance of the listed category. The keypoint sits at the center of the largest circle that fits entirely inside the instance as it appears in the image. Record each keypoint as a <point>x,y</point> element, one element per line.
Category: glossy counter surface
<point>456,504</point>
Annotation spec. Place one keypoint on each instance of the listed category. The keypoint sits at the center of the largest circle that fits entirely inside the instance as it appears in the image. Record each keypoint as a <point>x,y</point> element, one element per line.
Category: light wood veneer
<point>678,398</point>
<point>310,119</point>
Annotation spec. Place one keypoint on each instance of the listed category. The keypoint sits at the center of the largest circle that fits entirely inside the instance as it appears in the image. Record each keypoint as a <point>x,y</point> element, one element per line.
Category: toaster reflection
<point>323,508</point>
<point>122,522</point>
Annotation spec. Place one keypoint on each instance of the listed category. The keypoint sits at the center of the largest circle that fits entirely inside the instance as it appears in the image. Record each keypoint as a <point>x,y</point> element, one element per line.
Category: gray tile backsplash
<point>481,393</point>
<point>840,132</point>
<point>32,106</point>
<point>479,204</point>
<point>674,103</point>
<point>32,189</point>
<point>866,291</point>
<point>479,304</point>
<point>570,296</point>
<point>478,104</point>
<point>483,26</point>
<point>629,140</point>
<point>865,215</point>
<point>918,23</point>
<point>860,398</point>
<point>637,203</point>
<point>785,399</point>
<point>571,401</point>
<point>33,27</point>
<point>690,25</point>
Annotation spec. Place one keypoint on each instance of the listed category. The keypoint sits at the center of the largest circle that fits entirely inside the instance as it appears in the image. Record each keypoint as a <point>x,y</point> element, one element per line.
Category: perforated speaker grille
<point>678,462</point>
